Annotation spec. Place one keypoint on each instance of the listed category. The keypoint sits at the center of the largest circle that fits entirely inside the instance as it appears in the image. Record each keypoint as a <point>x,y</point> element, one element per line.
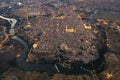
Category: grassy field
<point>108,15</point>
